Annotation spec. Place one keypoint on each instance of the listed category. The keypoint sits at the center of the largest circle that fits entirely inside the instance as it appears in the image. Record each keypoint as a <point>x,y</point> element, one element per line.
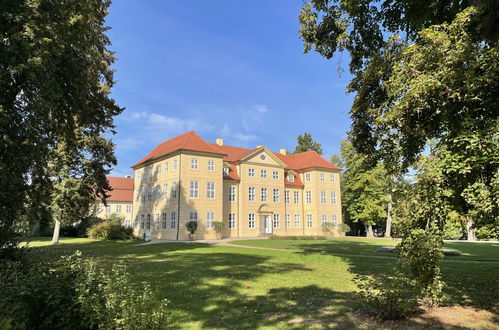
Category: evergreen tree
<point>306,143</point>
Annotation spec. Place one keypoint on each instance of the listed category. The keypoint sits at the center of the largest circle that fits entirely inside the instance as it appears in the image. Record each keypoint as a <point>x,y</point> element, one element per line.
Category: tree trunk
<point>55,237</point>
<point>388,230</point>
<point>470,230</point>
<point>369,231</point>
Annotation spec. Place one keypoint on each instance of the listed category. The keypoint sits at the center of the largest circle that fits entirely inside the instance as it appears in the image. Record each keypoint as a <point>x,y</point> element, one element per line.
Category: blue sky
<point>230,69</point>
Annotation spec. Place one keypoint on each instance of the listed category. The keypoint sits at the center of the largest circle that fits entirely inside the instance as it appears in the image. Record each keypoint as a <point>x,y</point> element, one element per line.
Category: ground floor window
<point>156,221</point>
<point>251,220</point>
<point>163,221</point>
<point>232,220</point>
<point>210,217</point>
<point>142,221</point>
<point>334,221</point>
<point>277,221</point>
<point>173,222</point>
<point>309,220</point>
<point>288,220</point>
<point>148,221</point>
<point>136,222</point>
<point>297,221</point>
<point>324,219</point>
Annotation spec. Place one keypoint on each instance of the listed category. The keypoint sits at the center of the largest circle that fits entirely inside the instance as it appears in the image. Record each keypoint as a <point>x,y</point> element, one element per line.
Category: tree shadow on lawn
<point>345,247</point>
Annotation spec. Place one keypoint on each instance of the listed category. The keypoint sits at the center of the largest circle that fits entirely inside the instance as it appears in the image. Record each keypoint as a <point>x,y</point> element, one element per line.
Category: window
<point>108,209</point>
<point>163,221</point>
<point>158,169</point>
<point>309,197</point>
<point>232,193</point>
<point>226,171</point>
<point>136,222</point>
<point>296,197</point>
<point>194,164</point>
<point>173,222</point>
<point>333,197</point>
<point>142,221</point>
<point>148,222</point>
<point>307,177</point>
<point>291,178</point>
<point>210,217</point>
<point>158,192</point>
<point>165,191</point>
<point>156,221</point>
<point>210,190</point>
<point>193,216</point>
<point>144,193</point>
<point>251,172</point>
<point>174,164</point>
<point>232,220</point>
<point>277,221</point>
<point>324,219</point>
<point>211,165</point>
<point>263,174</point>
<point>149,194</point>
<point>251,220</point>
<point>321,176</point>
<point>288,220</point>
<point>127,222</point>
<point>331,178</point>
<point>194,189</point>
<point>263,194</point>
<point>297,221</point>
<point>323,197</point>
<point>286,196</point>
<point>129,209</point>
<point>309,220</point>
<point>275,175</point>
<point>166,167</point>
<point>275,195</point>
<point>118,208</point>
<point>174,189</point>
<point>263,157</point>
<point>334,220</point>
<point>251,194</point>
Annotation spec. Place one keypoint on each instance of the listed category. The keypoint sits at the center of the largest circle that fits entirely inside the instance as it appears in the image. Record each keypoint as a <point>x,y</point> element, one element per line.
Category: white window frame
<point>251,220</point>
<point>296,197</point>
<point>323,197</point>
<point>286,196</point>
<point>322,177</point>
<point>158,192</point>
<point>232,221</point>
<point>251,172</point>
<point>175,165</point>
<point>275,175</point>
<point>232,193</point>
<point>129,208</point>
<point>297,221</point>
<point>309,221</point>
<point>263,174</point>
<point>288,220</point>
<point>165,191</point>
<point>194,189</point>
<point>108,208</point>
<point>277,221</point>
<point>307,177</point>
<point>136,222</point>
<point>173,220</point>
<point>263,195</point>
<point>331,178</point>
<point>164,222</point>
<point>333,197</point>
<point>194,164</point>
<point>174,189</point>
<point>210,190</point>
<point>226,171</point>
<point>156,221</point>
<point>291,178</point>
<point>210,218</point>
<point>193,216</point>
<point>334,220</point>
<point>251,194</point>
<point>142,221</point>
<point>276,195</point>
<point>118,208</point>
<point>166,167</point>
<point>148,221</point>
<point>308,195</point>
<point>324,219</point>
<point>211,165</point>
<point>158,169</point>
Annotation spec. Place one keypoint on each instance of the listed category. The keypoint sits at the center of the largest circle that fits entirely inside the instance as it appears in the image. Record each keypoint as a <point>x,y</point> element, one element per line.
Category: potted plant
<point>191,226</point>
<point>219,229</point>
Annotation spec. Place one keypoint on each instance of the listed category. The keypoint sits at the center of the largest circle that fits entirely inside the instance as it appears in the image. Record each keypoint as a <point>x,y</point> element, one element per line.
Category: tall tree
<point>55,82</point>
<point>306,143</point>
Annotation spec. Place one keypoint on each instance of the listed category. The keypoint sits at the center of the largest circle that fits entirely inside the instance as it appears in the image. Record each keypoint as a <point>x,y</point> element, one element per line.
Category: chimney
<point>258,147</point>
<point>220,142</point>
<point>283,151</point>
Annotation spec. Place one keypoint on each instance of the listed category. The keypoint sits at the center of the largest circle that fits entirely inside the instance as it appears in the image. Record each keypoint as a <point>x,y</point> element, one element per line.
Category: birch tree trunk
<point>388,230</point>
<point>55,236</point>
<point>470,230</point>
<point>369,231</point>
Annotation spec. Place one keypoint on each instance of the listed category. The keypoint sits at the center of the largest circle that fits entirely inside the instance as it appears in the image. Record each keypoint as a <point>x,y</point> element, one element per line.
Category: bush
<point>192,227</point>
<point>81,228</point>
<point>328,227</point>
<point>110,230</point>
<point>344,227</point>
<point>488,232</point>
<point>73,294</point>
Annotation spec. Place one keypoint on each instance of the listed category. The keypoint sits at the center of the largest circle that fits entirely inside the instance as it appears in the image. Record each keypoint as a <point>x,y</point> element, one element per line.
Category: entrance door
<point>266,224</point>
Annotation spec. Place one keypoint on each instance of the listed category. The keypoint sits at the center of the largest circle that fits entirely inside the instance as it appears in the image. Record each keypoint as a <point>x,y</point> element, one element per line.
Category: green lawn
<point>229,287</point>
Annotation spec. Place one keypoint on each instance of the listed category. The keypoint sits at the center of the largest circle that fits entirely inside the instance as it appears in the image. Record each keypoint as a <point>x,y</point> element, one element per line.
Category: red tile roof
<point>233,153</point>
<point>305,160</point>
<point>186,141</point>
<point>232,173</point>
<point>122,189</point>
<point>296,182</point>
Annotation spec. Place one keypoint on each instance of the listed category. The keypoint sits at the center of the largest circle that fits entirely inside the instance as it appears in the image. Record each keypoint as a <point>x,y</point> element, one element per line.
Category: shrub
<point>344,227</point>
<point>488,232</point>
<point>79,229</point>
<point>328,227</point>
<point>110,230</point>
<point>219,227</point>
<point>73,294</point>
<point>192,227</point>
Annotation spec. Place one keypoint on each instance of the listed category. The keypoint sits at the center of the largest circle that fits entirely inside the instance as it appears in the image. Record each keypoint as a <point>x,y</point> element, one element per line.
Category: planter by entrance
<point>192,237</point>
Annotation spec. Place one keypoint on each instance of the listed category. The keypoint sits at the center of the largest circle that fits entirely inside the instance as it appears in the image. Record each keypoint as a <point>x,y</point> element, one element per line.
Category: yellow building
<point>254,192</point>
<point>119,201</point>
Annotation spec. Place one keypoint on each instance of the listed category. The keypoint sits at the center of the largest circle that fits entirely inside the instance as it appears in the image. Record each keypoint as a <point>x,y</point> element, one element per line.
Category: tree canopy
<point>306,143</point>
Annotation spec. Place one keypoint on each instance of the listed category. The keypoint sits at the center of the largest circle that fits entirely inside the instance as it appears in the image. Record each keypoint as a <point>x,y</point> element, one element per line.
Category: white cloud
<point>261,108</point>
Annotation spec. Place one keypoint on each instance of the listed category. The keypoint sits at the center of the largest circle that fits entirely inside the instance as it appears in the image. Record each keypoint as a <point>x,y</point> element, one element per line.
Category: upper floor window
<point>211,165</point>
<point>263,174</point>
<point>226,171</point>
<point>251,220</point>
<point>309,197</point>
<point>193,216</point>
<point>232,193</point>
<point>323,197</point>
<point>275,195</point>
<point>174,164</point>
<point>251,194</point>
<point>296,195</point>
<point>194,164</point>
<point>149,194</point>
<point>286,196</point>
<point>165,191</point>
<point>331,178</point>
<point>118,208</point>
<point>321,176</point>
<point>158,169</point>
<point>194,189</point>
<point>263,194</point>
<point>129,208</point>
<point>174,189</point>
<point>307,177</point>
<point>251,172</point>
<point>166,167</point>
<point>158,192</point>
<point>275,175</point>
<point>333,197</point>
<point>291,178</point>
<point>210,190</point>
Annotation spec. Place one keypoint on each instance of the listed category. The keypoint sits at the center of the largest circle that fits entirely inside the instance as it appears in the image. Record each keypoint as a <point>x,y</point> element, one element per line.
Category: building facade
<point>119,201</point>
<point>254,192</point>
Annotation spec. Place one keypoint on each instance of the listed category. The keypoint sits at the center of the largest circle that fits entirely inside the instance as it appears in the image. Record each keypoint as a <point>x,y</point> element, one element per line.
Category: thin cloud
<point>261,108</point>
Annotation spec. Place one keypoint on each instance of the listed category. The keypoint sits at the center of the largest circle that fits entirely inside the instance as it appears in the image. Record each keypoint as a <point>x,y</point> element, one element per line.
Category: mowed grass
<point>229,287</point>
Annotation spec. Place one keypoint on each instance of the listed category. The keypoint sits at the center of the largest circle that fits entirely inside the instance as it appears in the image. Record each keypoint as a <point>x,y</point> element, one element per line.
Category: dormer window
<point>226,171</point>
<point>291,178</point>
